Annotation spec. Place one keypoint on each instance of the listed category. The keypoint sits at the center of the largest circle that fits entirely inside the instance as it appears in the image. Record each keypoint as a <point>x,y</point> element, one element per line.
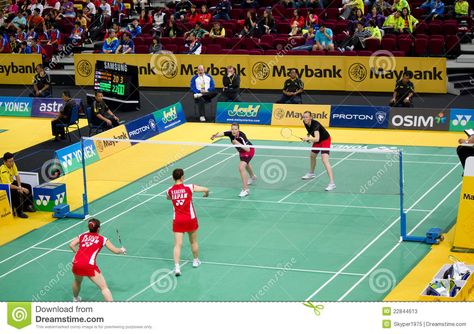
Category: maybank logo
<point>249,111</point>
<point>169,116</point>
<point>433,75</point>
<point>112,143</point>
<point>469,197</point>
<point>299,115</point>
<point>15,69</point>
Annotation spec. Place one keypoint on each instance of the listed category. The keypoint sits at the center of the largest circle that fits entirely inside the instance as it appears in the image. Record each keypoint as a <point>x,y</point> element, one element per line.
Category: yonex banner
<point>419,119</point>
<point>15,106</point>
<point>359,117</point>
<point>244,112</point>
<point>292,114</point>
<point>169,117</point>
<point>49,107</point>
<point>70,157</point>
<point>461,119</point>
<point>18,69</point>
<point>142,128</point>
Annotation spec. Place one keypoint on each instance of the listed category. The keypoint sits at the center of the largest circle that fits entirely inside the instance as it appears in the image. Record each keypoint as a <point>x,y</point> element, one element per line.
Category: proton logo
<point>84,68</point>
<point>261,71</point>
<point>152,124</point>
<point>380,116</point>
<point>461,120</point>
<point>279,113</point>
<point>67,160</point>
<point>357,72</point>
<point>440,119</point>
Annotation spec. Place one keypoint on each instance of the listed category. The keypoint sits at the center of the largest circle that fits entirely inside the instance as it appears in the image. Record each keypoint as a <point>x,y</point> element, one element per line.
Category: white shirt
<point>106,10</point>
<point>91,7</point>
<point>36,5</point>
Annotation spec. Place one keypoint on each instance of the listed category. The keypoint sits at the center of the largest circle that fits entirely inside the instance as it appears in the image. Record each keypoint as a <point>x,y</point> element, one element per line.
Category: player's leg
<point>312,166</point>
<point>178,243</point>
<point>327,165</point>
<point>193,240</point>
<point>243,175</point>
<point>251,173</point>
<point>76,287</point>
<point>99,280</point>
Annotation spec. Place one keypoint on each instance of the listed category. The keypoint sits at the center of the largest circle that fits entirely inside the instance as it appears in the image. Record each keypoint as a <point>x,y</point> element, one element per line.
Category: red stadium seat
<point>453,46</point>
<point>436,47</point>
<point>272,52</point>
<point>450,28</point>
<point>239,52</point>
<point>398,53</point>
<point>213,48</point>
<point>435,28</point>
<point>421,47</point>
<point>405,45</point>
<point>256,52</point>
<point>318,53</point>
<point>332,13</point>
<point>349,53</point>
<point>372,45</point>
<point>421,28</point>
<point>334,53</point>
<point>280,43</point>
<point>298,52</point>
<point>388,44</point>
<point>364,53</point>
<point>171,47</point>
<point>267,39</point>
<point>141,49</point>
<point>283,28</point>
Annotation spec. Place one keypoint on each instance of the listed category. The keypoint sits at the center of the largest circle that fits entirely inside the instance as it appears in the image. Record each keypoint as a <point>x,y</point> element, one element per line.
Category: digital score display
<point>116,80</point>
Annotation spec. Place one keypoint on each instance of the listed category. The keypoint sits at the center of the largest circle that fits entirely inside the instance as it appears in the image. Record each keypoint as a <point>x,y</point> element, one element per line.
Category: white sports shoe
<point>197,95</point>
<point>196,263</point>
<point>244,193</point>
<point>308,176</point>
<point>202,119</point>
<point>251,180</point>
<point>331,186</point>
<point>177,270</point>
<point>77,299</point>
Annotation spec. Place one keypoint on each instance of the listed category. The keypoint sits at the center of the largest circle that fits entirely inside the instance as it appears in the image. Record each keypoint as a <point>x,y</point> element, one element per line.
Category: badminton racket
<point>288,133</point>
<point>119,239</point>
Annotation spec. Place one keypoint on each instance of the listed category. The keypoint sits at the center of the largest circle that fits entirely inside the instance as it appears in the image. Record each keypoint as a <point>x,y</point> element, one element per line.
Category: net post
<point>85,202</point>
<point>403,221</point>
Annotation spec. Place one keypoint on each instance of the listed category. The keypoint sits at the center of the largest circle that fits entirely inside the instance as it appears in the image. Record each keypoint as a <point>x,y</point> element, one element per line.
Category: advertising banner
<point>419,119</point>
<point>244,112</point>
<point>15,106</point>
<point>109,147</point>
<point>18,69</point>
<point>461,119</point>
<point>70,157</point>
<point>5,209</point>
<point>142,128</point>
<point>49,107</point>
<point>292,114</point>
<point>169,117</point>
<point>371,117</point>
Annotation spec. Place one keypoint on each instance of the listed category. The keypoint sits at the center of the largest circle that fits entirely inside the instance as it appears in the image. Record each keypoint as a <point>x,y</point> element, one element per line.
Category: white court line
<point>250,200</point>
<point>398,244</point>
<point>105,210</point>
<point>109,220</point>
<point>377,237</point>
<point>308,182</point>
<point>314,271</point>
<point>367,160</point>
<point>154,283</point>
<point>432,155</point>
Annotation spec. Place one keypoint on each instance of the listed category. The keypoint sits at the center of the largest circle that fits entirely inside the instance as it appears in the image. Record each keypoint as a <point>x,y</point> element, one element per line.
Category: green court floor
<point>288,241</point>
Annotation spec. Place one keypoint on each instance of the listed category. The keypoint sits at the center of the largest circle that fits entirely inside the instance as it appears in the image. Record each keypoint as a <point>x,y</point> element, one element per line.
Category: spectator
<point>309,40</point>
<point>64,117</point>
<point>250,24</point>
<point>35,48</point>
<point>12,8</point>
<point>434,9</point>
<point>250,4</point>
<point>182,8</point>
<point>357,16</point>
<point>296,23</point>
<point>393,24</point>
<point>230,86</point>
<point>313,4</point>
<point>81,18</point>
<point>41,83</point>
<point>134,29</point>
<point>101,114</point>
<point>461,9</point>
<point>409,21</point>
<point>197,31</point>
<point>118,9</point>
<point>464,151</point>
<point>349,7</point>
<point>67,9</point>
<point>223,10</point>
<point>171,29</point>
<point>398,5</point>
<point>75,37</point>
<point>21,194</point>
<point>90,8</point>
<point>53,4</point>
<point>2,19</point>
<point>202,85</point>
<point>379,19</point>
<point>356,41</point>
<point>375,32</point>
<point>96,25</point>
<point>288,3</point>
<point>156,47</point>
<point>127,45</point>
<point>19,21</point>
<point>105,7</point>
<point>266,24</point>
<point>382,6</point>
<point>31,33</point>
<point>194,47</point>
<point>193,16</point>
<point>145,18</point>
<point>3,42</point>
<point>204,17</point>
<point>292,89</point>
<point>312,20</point>
<point>217,31</point>
<point>159,20</point>
<point>54,37</point>
<point>14,45</point>
<point>24,48</point>
<point>404,91</point>
<point>324,39</point>
<point>34,4</point>
<point>111,43</point>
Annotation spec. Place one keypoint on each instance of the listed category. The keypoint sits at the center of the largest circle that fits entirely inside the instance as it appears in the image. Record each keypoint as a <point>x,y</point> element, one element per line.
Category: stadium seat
<point>435,28</point>
<point>280,43</point>
<point>332,13</point>
<point>239,52</point>
<point>398,53</point>
<point>318,53</point>
<point>406,45</point>
<point>267,39</point>
<point>364,53</point>
<point>388,44</point>
<point>450,28</point>
<point>214,48</point>
<point>453,46</point>
<point>171,48</point>
<point>421,47</point>
<point>141,49</point>
<point>436,47</point>
<point>298,52</point>
<point>272,52</point>
<point>73,121</point>
<point>93,129</point>
<point>372,45</point>
<point>237,14</point>
<point>349,53</point>
<point>256,52</point>
<point>421,28</point>
<point>283,28</point>
<point>334,53</point>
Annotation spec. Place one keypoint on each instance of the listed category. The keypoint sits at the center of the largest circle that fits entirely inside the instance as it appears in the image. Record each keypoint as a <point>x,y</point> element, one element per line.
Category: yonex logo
<point>461,120</point>
<point>179,202</point>
<point>60,198</point>
<point>67,160</point>
<point>42,200</point>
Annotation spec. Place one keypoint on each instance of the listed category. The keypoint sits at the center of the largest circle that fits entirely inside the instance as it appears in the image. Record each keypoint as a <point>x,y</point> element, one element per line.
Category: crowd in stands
<point>317,27</point>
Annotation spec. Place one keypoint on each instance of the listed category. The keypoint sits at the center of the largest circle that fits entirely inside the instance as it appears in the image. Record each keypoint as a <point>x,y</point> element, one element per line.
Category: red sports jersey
<point>90,245</point>
<point>184,218</point>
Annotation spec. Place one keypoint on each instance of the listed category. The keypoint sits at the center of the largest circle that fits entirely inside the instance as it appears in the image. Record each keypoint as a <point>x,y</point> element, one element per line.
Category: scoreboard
<point>117,80</point>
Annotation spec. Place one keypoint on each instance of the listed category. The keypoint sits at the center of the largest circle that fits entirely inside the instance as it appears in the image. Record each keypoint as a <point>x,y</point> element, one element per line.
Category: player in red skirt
<point>184,219</point>
<point>320,138</point>
<point>84,263</point>
<point>246,154</point>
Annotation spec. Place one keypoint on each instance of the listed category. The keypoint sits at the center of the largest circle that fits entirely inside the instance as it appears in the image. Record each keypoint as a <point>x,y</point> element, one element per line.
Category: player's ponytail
<point>93,225</point>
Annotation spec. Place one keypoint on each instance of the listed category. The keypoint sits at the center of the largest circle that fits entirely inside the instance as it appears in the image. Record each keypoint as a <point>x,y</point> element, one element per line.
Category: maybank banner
<point>244,112</point>
<point>378,73</point>
<point>292,114</point>
<point>169,117</point>
<point>109,147</point>
<point>359,117</point>
<point>18,69</point>
<point>70,157</point>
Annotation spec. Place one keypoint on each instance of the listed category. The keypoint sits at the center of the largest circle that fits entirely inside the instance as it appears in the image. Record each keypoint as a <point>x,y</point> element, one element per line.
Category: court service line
<point>309,181</point>
<point>398,244</point>
<point>226,264</point>
<point>250,200</point>
<point>105,210</point>
<point>107,221</point>
<point>377,237</point>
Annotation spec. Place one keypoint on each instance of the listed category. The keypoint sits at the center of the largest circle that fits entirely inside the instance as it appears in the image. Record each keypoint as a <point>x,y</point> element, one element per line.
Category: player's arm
<point>314,138</point>
<point>469,140</point>
<point>74,243</point>
<point>112,114</point>
<point>217,135</point>
<point>241,144</point>
<point>200,189</point>
<point>114,249</point>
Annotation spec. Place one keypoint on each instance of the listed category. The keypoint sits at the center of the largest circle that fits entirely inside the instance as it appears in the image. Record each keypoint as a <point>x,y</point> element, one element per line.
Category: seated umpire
<point>404,91</point>
<point>64,116</point>
<point>101,114</point>
<point>21,194</point>
<point>292,89</point>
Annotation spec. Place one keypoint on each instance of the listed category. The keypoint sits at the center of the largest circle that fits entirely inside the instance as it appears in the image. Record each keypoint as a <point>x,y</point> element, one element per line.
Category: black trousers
<point>464,152</point>
<point>57,130</point>
<point>295,99</point>
<point>201,101</point>
<point>401,103</point>
<point>104,125</point>
<point>21,201</point>
<point>229,97</point>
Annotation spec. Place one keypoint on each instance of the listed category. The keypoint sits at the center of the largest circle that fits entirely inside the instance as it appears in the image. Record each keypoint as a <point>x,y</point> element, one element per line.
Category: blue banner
<point>70,157</point>
<point>359,117</point>
<point>169,117</point>
<point>6,187</point>
<point>244,112</point>
<point>142,128</point>
<point>49,107</point>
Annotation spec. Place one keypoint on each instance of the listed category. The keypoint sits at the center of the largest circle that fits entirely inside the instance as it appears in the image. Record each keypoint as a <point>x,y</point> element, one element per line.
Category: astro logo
<point>67,160</point>
<point>169,116</point>
<point>380,116</point>
<point>461,120</point>
<point>249,111</point>
<point>152,124</point>
<point>440,119</point>
<point>59,198</point>
<point>42,200</point>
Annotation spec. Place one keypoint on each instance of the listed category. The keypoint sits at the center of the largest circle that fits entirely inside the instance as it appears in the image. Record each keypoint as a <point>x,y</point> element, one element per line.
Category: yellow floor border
<point>408,289</point>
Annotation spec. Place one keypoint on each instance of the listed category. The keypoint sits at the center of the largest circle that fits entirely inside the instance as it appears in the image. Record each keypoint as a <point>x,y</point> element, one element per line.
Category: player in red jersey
<point>84,263</point>
<point>246,154</point>
<point>184,218</point>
